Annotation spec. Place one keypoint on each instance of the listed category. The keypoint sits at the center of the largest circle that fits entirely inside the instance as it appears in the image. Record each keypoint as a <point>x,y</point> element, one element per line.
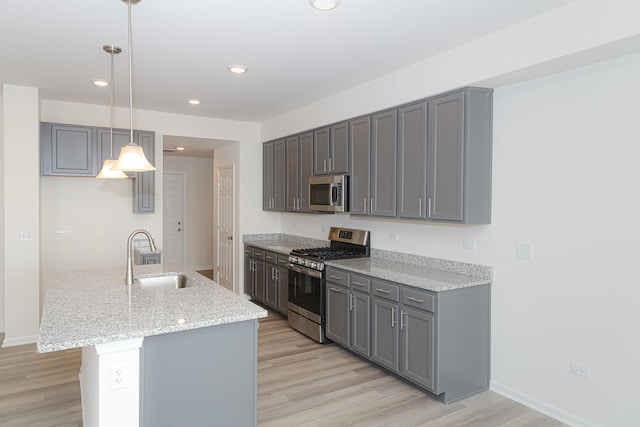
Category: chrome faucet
<point>152,246</point>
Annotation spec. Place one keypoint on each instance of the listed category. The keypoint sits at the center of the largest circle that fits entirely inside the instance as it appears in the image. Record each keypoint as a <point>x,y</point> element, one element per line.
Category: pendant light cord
<point>113,82</point>
<point>130,77</point>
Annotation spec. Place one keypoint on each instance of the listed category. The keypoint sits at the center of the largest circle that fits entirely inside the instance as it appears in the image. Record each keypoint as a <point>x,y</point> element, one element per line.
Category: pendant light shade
<point>132,158</point>
<point>107,171</point>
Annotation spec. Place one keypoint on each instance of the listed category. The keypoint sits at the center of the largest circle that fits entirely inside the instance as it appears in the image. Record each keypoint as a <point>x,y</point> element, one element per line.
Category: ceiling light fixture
<point>101,83</point>
<point>107,171</point>
<point>237,69</point>
<point>194,102</point>
<point>132,156</point>
<point>324,5</point>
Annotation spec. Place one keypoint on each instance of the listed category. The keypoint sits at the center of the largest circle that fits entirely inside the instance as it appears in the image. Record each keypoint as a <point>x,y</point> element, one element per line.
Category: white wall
<point>21,214</point>
<point>198,211</point>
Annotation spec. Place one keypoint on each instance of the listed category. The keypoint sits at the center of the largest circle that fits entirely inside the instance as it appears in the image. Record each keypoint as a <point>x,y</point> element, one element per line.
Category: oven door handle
<point>307,271</point>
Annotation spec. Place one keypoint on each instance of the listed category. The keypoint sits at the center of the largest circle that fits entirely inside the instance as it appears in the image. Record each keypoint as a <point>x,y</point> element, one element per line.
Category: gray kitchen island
<point>155,357</point>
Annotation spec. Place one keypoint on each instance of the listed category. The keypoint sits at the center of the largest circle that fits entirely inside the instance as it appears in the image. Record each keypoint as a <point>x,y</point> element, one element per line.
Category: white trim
<point>540,406</point>
<point>11,342</point>
<point>117,346</point>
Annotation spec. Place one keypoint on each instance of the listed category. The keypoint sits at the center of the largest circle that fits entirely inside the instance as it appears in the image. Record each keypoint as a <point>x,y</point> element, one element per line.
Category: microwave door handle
<point>334,194</point>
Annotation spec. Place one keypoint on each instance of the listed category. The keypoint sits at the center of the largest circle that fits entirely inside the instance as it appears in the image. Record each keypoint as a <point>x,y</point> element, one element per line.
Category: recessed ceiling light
<point>324,5</point>
<point>237,69</point>
<point>101,83</point>
<point>194,102</point>
<point>180,148</point>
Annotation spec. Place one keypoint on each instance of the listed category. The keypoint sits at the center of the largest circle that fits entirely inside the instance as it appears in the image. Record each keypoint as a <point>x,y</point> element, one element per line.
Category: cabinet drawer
<point>337,276</point>
<point>283,260</point>
<point>418,298</point>
<point>385,289</point>
<point>270,257</point>
<point>259,253</point>
<point>360,283</point>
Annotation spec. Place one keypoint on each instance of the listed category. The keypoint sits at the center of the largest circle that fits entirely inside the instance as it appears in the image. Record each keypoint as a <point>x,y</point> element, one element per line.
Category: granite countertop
<point>282,243</point>
<point>419,276</point>
<point>91,307</point>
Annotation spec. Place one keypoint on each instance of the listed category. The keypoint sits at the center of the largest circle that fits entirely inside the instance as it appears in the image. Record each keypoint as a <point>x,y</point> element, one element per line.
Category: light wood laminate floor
<point>300,383</point>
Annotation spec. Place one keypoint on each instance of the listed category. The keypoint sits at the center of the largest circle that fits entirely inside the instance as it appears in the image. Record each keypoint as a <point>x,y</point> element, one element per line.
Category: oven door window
<point>306,292</point>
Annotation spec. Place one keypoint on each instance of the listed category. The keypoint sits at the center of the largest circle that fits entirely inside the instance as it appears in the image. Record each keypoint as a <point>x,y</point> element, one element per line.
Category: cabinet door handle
<point>351,304</point>
<point>371,207</point>
<point>332,289</point>
<point>420,206</point>
<point>273,274</point>
<point>418,300</point>
<point>357,283</point>
<point>330,164</point>
<point>324,166</point>
<point>393,317</point>
<point>402,318</point>
<point>429,211</point>
<point>364,205</point>
<point>335,277</point>
<point>384,291</point>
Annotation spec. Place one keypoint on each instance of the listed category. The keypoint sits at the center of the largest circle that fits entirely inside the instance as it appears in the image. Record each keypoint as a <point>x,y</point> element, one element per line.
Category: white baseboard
<point>11,342</point>
<point>541,406</point>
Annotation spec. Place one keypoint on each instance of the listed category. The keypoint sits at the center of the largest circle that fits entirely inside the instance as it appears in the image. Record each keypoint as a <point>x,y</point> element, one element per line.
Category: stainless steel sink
<point>163,282</point>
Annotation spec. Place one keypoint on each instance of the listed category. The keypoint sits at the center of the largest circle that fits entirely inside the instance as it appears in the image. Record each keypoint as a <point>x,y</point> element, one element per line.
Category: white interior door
<point>225,226</point>
<point>173,219</point>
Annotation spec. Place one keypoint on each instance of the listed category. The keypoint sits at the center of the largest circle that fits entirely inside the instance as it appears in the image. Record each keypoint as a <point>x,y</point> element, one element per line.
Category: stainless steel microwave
<point>329,193</point>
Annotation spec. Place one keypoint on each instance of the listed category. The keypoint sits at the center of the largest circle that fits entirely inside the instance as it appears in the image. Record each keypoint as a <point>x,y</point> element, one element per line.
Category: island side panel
<point>201,377</point>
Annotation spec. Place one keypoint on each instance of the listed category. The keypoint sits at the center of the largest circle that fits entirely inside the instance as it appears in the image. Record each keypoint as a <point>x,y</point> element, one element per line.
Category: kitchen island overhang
<point>126,333</point>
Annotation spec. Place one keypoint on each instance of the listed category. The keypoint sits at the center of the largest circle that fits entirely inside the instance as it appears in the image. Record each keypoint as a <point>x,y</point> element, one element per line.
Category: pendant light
<point>107,171</point>
<point>132,158</point>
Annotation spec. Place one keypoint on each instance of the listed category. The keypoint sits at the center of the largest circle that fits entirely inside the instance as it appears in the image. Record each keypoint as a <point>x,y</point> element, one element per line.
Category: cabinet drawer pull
<point>358,283</point>
<point>335,277</point>
<point>418,300</point>
<point>384,291</point>
<point>269,257</point>
<point>393,317</point>
<point>331,288</point>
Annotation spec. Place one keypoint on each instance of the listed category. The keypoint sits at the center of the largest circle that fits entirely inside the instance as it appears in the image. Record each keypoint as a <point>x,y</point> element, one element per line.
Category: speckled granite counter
<point>281,243</point>
<point>89,307</point>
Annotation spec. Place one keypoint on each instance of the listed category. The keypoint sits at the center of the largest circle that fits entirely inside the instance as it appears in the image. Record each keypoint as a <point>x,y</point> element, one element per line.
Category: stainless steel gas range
<point>307,306</point>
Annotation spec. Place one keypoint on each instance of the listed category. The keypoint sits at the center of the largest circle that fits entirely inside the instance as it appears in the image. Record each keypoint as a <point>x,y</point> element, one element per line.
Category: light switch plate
<point>524,251</point>
<point>469,245</point>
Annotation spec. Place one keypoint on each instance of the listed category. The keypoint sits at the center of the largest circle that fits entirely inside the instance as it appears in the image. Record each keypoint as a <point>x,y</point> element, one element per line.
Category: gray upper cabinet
<point>331,150</point>
<point>274,176</point>
<point>72,150</point>
<point>68,150</point>
<point>299,154</point>
<point>459,164</point>
<point>412,161</point>
<point>383,164</point>
<point>360,188</point>
<point>144,184</point>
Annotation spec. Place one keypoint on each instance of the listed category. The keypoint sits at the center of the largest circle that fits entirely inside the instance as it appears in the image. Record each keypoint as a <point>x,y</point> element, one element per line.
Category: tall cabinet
<point>459,158</point>
<point>299,155</point>
<point>412,161</point>
<point>274,176</point>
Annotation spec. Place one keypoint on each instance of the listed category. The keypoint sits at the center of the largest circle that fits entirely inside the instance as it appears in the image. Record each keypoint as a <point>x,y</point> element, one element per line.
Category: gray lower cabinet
<point>68,150</point>
<point>274,176</point>
<point>412,161</point>
<point>459,165</point>
<point>282,304</point>
<point>248,271</point>
<point>348,311</point>
<point>299,151</point>
<point>331,150</point>
<point>266,278</point>
<point>338,314</point>
<point>436,340</point>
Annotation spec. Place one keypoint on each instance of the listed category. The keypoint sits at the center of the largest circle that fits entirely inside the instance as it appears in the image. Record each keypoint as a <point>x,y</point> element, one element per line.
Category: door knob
<point>179,229</point>
<point>230,238</point>
<point>179,222</point>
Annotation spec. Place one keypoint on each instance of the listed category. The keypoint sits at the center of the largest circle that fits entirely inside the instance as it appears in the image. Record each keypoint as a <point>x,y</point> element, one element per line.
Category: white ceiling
<point>295,54</point>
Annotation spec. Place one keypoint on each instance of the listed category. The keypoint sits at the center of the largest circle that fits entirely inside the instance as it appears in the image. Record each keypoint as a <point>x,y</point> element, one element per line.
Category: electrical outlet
<point>64,230</point>
<point>524,251</point>
<point>580,370</point>
<point>26,236</point>
<point>393,237</point>
<point>469,245</point>
<point>117,376</point>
